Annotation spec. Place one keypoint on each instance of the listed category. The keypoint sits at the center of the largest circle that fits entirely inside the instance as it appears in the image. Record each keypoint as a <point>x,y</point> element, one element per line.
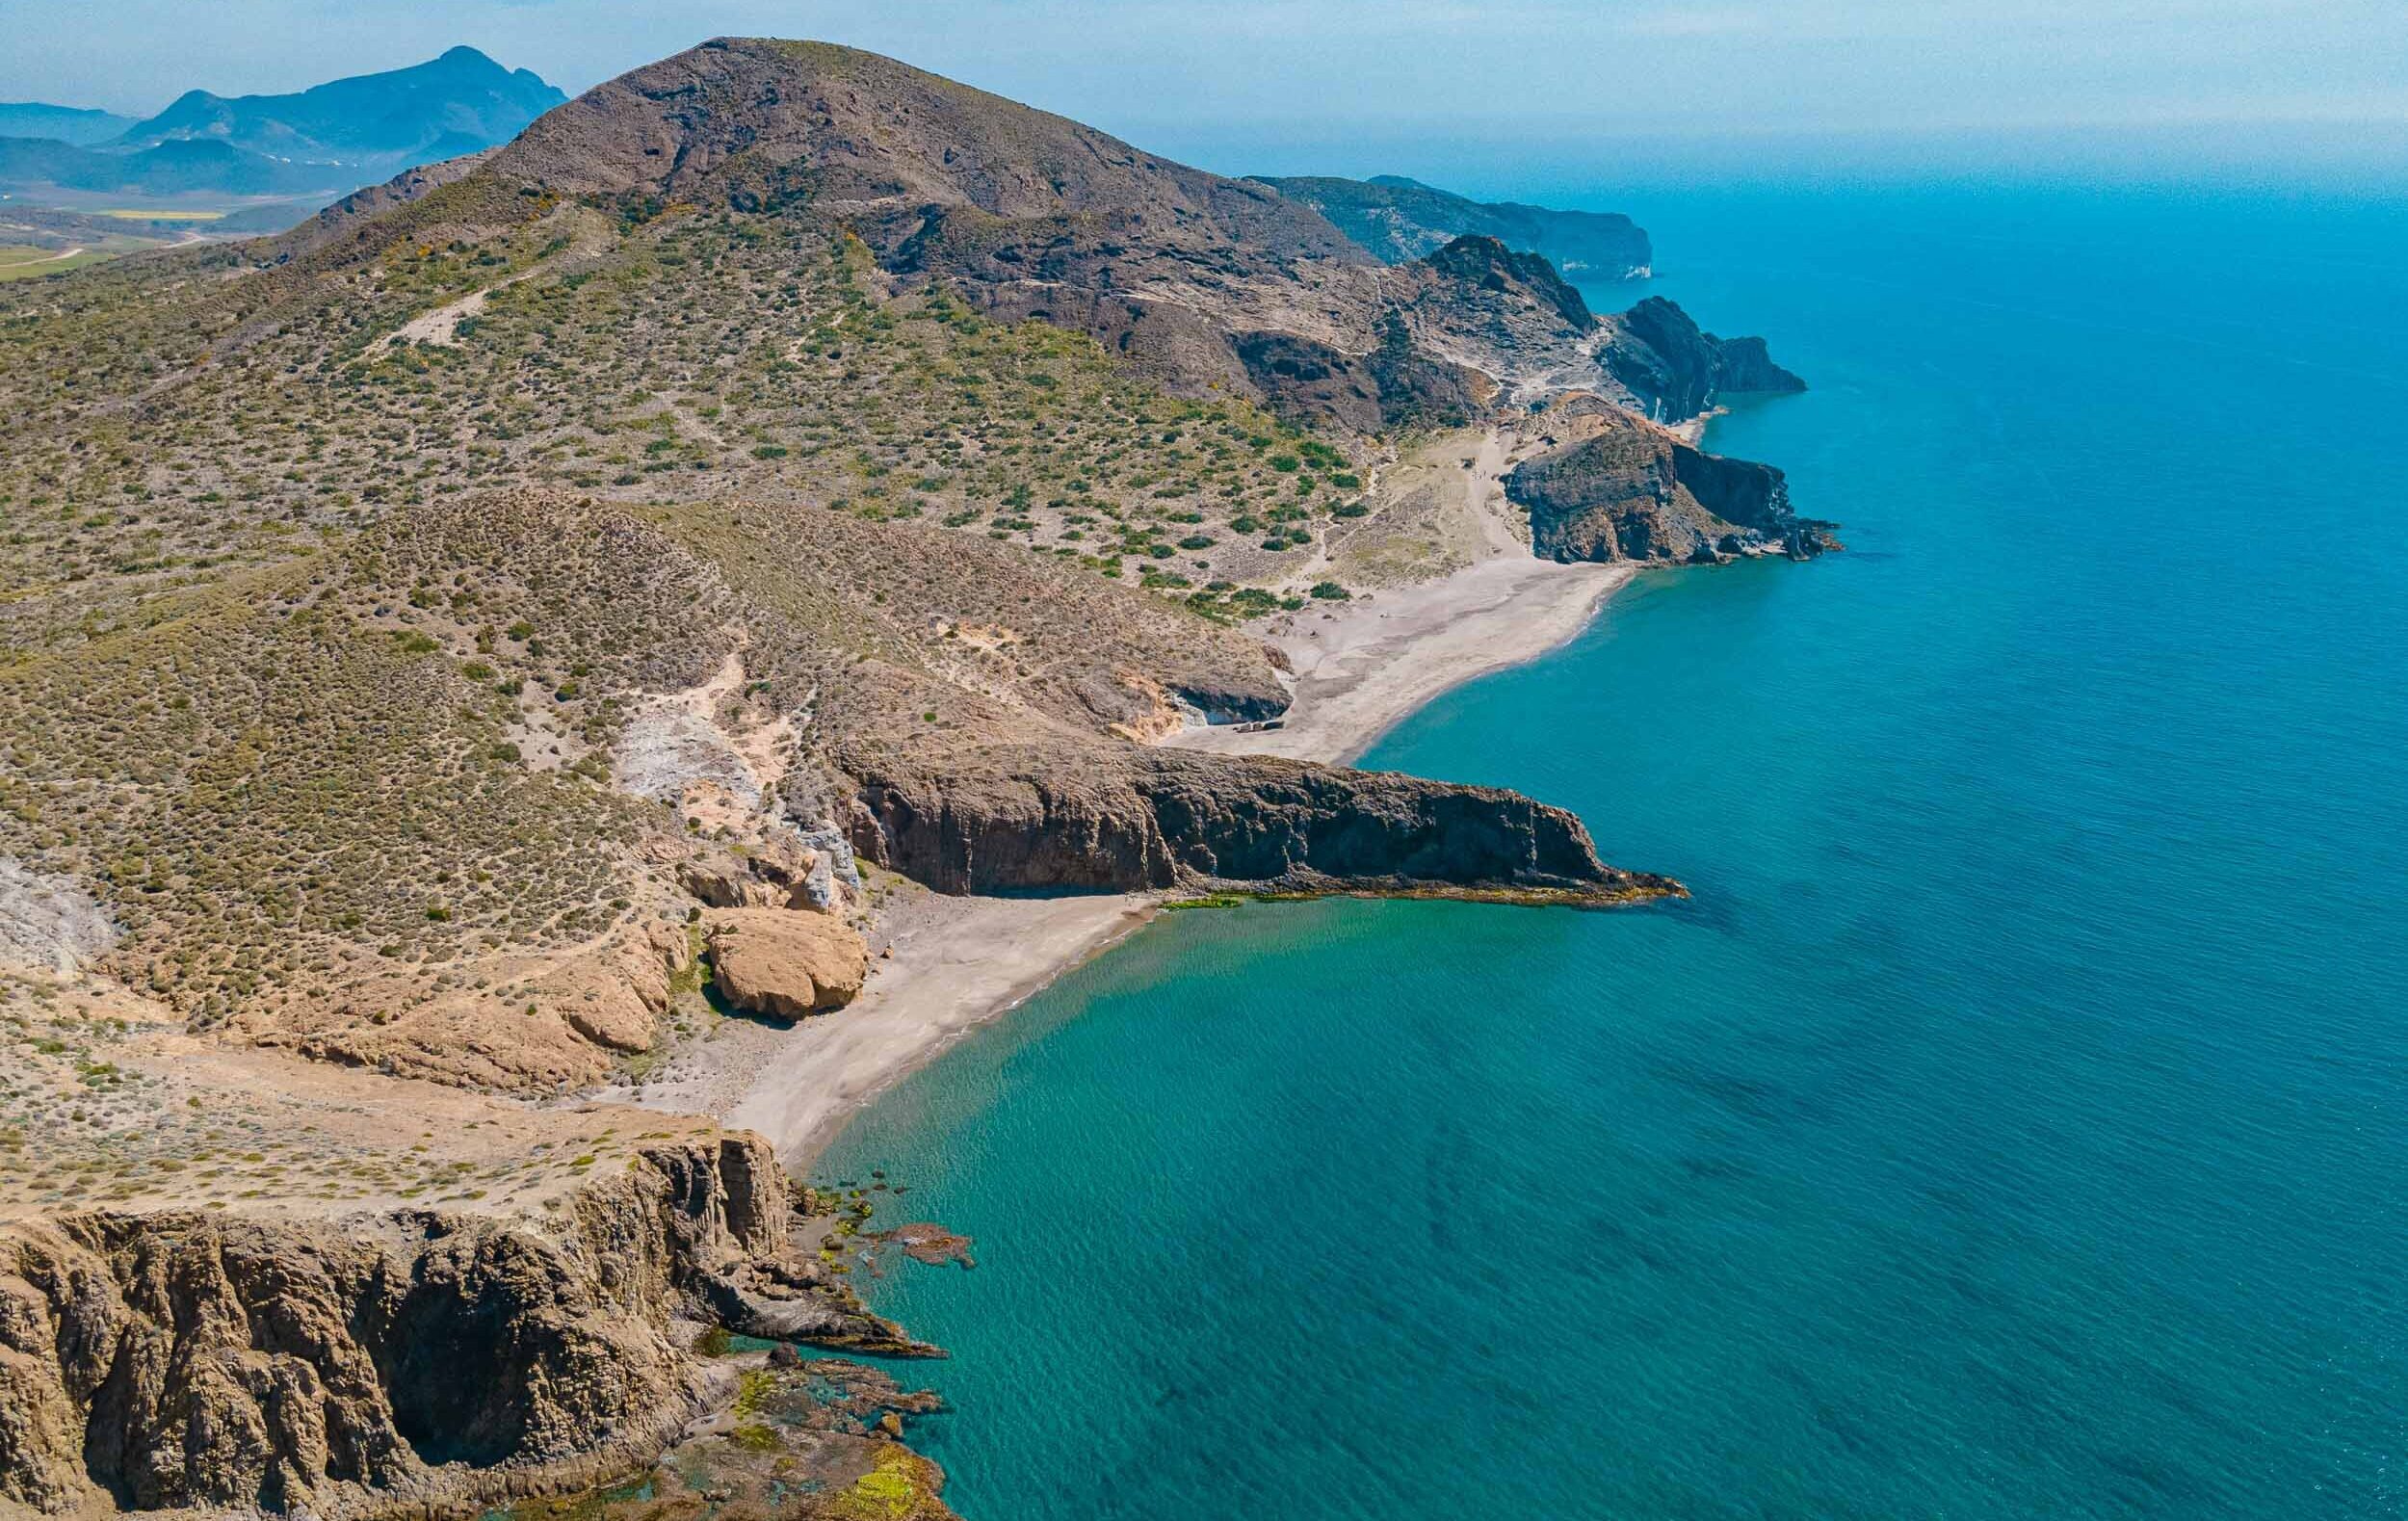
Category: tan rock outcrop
<point>410,1359</point>
<point>777,961</point>
<point>775,874</point>
<point>615,999</point>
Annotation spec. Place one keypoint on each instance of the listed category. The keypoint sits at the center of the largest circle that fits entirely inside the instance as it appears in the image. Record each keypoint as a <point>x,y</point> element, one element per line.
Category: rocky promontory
<point>1678,368</point>
<point>1015,818</point>
<point>1402,219</point>
<point>1632,491</point>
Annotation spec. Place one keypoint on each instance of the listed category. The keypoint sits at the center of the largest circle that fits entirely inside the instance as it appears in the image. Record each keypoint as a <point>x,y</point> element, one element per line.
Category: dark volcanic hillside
<point>1208,284</point>
<point>768,120</point>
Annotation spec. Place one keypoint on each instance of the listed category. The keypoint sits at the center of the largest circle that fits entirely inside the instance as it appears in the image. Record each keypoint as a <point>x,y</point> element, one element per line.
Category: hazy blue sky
<point>1250,84</point>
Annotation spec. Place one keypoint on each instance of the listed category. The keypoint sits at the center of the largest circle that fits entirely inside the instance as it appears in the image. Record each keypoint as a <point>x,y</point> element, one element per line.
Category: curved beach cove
<point>2016,1120</point>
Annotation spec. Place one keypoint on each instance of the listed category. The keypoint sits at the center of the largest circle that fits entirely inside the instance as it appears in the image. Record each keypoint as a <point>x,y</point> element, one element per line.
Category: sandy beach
<point>942,966</point>
<point>1367,665</point>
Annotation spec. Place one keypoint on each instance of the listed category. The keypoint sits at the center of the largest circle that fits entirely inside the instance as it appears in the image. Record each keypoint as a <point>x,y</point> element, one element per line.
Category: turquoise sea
<point>2014,1124</point>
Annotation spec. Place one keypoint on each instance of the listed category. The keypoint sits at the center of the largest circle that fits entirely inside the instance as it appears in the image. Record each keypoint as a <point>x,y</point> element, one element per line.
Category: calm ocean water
<point>2016,1123</point>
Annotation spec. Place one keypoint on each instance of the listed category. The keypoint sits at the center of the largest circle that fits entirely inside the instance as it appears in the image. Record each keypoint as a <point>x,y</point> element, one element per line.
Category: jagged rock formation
<point>1402,219</point>
<point>1014,817</point>
<point>345,1367</point>
<point>1677,368</point>
<point>1632,491</point>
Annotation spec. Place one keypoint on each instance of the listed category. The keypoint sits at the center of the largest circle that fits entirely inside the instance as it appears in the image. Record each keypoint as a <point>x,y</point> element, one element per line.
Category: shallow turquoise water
<point>2013,1125</point>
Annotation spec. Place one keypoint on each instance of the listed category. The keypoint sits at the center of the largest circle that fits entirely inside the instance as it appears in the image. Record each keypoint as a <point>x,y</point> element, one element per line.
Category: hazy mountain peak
<point>461,98</point>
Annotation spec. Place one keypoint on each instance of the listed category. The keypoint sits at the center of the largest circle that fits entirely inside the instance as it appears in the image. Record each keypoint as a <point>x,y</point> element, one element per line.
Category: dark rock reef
<point>344,1367</point>
<point>1636,492</point>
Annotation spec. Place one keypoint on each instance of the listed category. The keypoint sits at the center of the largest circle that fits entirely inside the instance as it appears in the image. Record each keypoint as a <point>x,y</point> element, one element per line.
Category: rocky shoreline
<point>1028,551</point>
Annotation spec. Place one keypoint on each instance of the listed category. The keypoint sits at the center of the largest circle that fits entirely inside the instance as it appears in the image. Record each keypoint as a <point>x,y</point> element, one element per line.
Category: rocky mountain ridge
<point>1204,282</point>
<point>460,102</point>
<point>79,126</point>
<point>324,139</point>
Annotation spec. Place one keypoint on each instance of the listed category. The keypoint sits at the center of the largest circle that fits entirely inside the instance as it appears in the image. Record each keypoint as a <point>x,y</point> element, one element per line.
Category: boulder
<point>776,962</point>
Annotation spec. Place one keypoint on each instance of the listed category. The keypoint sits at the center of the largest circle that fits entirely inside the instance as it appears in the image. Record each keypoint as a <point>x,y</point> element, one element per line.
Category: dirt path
<point>1483,494</point>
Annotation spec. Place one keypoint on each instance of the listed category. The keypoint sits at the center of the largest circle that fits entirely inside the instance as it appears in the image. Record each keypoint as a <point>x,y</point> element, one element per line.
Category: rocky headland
<point>1627,489</point>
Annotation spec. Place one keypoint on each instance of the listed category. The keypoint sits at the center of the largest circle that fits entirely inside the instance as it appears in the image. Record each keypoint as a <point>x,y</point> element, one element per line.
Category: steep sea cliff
<point>2009,1125</point>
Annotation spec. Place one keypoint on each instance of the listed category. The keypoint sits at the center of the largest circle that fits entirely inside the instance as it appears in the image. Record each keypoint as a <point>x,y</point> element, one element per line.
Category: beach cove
<point>2011,1123</point>
<point>949,966</point>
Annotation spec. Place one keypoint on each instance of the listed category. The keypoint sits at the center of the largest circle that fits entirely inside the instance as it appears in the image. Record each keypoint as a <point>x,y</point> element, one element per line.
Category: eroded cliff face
<point>1124,819</point>
<point>1636,491</point>
<point>421,1357</point>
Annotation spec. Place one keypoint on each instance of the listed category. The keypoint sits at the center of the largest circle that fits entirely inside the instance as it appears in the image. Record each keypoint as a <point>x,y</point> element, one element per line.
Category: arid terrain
<point>490,678</point>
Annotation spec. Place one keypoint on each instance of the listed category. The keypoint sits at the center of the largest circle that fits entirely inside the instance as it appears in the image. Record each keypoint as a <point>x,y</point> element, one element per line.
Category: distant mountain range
<point>170,169</point>
<point>1402,219</point>
<point>34,118</point>
<point>326,140</point>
